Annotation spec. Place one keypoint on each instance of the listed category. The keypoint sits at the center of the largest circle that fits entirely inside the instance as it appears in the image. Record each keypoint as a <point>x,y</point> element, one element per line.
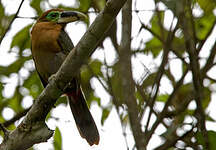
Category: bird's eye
<point>53,15</point>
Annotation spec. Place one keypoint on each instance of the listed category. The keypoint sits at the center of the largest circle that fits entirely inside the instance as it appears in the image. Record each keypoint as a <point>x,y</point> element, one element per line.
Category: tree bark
<point>127,83</point>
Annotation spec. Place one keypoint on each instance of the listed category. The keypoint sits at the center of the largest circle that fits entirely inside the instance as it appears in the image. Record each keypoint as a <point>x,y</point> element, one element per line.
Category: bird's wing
<point>65,42</point>
<point>42,80</point>
<point>66,46</point>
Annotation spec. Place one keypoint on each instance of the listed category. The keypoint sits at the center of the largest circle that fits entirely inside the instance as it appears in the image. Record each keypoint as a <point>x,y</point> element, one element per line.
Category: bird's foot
<point>52,77</point>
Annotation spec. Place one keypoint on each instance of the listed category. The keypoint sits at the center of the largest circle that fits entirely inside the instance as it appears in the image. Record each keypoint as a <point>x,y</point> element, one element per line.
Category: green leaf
<point>14,67</point>
<point>1,11</point>
<point>203,25</point>
<point>105,114</point>
<point>31,148</point>
<point>36,5</point>
<point>15,102</point>
<point>163,97</point>
<point>22,39</point>
<point>207,5</point>
<point>211,138</point>
<point>207,97</point>
<point>171,148</point>
<point>98,4</point>
<point>84,5</point>
<point>49,115</point>
<point>96,67</point>
<point>125,119</point>
<point>90,97</point>
<point>87,72</point>
<point>57,139</point>
<point>86,75</point>
<point>155,27</point>
<point>1,89</point>
<point>33,84</point>
<point>149,80</point>
<point>179,45</point>
<point>154,46</point>
<point>3,103</point>
<point>139,96</point>
<point>61,100</point>
<point>209,118</point>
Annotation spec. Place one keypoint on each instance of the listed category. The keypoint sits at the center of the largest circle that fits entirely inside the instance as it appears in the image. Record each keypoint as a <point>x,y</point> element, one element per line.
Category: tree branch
<point>33,129</point>
<point>9,26</point>
<point>5,131</point>
<point>160,72</point>
<point>173,140</point>
<point>210,61</point>
<point>127,84</point>
<point>163,113</point>
<point>190,42</point>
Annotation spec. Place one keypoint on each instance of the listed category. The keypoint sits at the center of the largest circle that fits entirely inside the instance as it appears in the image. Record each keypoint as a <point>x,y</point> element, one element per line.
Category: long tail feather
<point>83,118</point>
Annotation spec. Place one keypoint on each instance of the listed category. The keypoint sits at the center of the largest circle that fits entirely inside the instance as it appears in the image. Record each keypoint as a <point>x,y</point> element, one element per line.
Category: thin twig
<point>5,131</point>
<point>170,143</point>
<point>34,18</point>
<point>98,78</point>
<point>16,117</point>
<point>207,36</point>
<point>210,78</point>
<point>116,104</point>
<point>96,12</point>
<point>190,43</point>
<point>164,111</point>
<point>136,10</point>
<point>153,96</point>
<point>9,26</point>
<point>210,61</point>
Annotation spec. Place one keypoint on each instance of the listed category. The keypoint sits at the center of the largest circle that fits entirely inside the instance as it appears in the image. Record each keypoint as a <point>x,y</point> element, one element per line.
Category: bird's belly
<point>48,64</point>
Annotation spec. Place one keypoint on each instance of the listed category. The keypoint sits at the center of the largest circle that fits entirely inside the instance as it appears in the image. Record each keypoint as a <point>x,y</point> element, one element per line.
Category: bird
<point>50,45</point>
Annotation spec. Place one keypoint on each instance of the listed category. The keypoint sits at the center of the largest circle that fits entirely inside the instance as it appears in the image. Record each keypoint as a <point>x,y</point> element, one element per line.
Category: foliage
<point>57,139</point>
<point>164,43</point>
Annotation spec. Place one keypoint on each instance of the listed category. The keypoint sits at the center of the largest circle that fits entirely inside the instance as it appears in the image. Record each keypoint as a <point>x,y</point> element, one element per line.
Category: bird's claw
<point>52,77</point>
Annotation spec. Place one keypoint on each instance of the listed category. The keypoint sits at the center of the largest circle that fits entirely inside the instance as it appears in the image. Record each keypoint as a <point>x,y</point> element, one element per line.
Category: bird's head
<point>61,17</point>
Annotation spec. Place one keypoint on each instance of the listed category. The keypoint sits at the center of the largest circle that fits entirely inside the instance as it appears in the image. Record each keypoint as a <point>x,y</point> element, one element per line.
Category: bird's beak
<point>71,16</point>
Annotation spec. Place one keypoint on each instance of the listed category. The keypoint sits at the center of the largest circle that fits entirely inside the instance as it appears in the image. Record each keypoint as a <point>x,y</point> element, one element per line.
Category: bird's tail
<point>83,118</point>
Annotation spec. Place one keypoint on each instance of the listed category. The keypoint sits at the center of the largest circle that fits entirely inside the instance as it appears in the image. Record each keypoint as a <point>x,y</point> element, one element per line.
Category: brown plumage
<point>50,46</point>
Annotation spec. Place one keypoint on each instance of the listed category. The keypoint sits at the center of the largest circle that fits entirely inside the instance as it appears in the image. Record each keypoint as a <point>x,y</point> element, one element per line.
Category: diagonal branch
<point>170,143</point>
<point>163,113</point>
<point>33,129</point>
<point>156,84</point>
<point>210,61</point>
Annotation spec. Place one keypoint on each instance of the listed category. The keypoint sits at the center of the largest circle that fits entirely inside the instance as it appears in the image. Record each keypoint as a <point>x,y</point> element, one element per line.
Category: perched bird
<point>50,46</point>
